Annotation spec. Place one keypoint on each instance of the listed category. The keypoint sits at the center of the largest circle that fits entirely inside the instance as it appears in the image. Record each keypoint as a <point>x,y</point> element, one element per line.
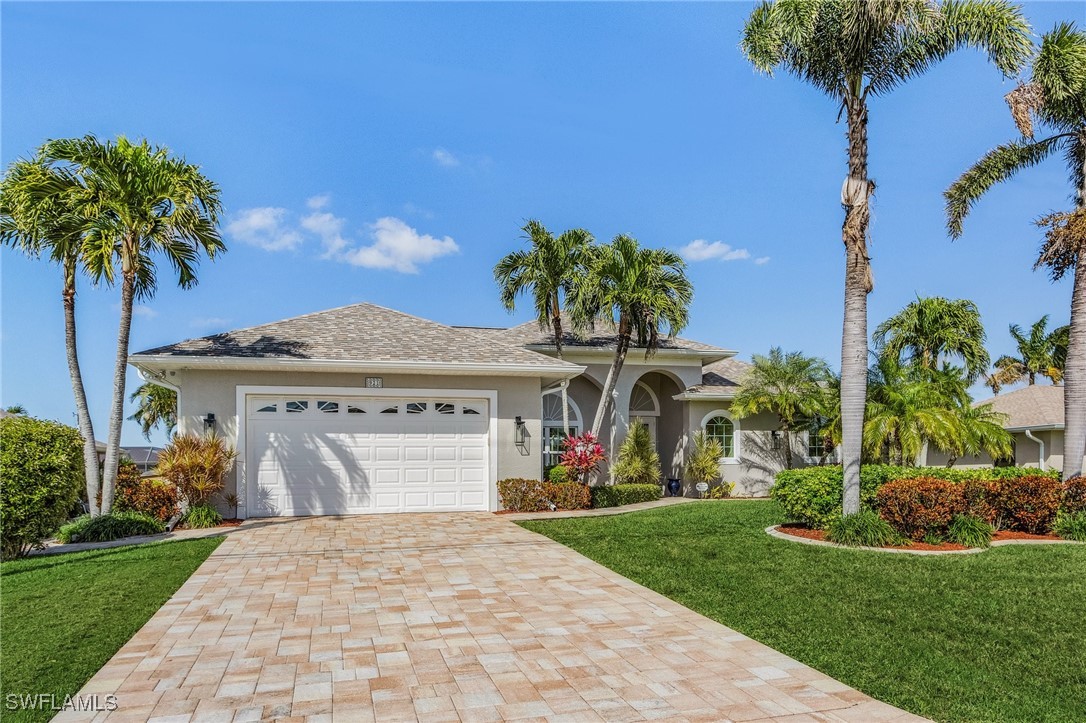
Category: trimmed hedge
<point>41,465</point>
<point>1074,495</point>
<point>1026,504</point>
<point>529,495</point>
<point>624,494</point>
<point>812,495</point>
<point>921,507</point>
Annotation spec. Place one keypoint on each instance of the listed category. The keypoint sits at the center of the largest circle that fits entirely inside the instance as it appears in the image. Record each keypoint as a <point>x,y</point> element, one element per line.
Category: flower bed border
<point>774,532</point>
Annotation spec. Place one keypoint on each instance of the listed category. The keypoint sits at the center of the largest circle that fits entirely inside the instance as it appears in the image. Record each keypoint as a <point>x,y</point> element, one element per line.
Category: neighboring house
<point>365,409</point>
<point>1035,419</point>
<point>145,458</point>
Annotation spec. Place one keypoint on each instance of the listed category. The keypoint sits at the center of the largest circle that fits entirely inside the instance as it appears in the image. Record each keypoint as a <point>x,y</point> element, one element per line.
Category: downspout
<point>1041,444</point>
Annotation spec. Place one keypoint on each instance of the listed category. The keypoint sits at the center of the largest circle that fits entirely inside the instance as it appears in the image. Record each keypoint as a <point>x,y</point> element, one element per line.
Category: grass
<point>992,636</point>
<point>65,615</point>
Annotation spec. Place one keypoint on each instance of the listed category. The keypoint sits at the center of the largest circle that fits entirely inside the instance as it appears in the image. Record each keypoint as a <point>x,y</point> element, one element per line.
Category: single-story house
<point>1035,419</point>
<point>366,409</point>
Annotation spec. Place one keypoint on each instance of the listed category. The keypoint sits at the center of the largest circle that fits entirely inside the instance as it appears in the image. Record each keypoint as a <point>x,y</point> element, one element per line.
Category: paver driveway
<point>443,617</point>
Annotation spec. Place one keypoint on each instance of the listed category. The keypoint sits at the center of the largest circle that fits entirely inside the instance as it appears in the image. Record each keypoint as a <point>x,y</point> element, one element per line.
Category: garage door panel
<point>324,460</point>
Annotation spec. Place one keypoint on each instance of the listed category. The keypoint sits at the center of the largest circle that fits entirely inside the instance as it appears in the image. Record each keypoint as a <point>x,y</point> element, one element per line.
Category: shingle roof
<point>357,333</point>
<point>1034,406</point>
<point>529,334</point>
<point>722,377</point>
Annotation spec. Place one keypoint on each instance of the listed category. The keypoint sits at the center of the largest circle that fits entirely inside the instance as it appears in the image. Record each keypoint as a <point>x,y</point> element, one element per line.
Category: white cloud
<point>265,228</point>
<point>316,203</point>
<point>209,322</point>
<point>329,228</point>
<point>445,158</point>
<point>761,260</point>
<point>701,250</point>
<point>399,247</point>
<point>140,310</point>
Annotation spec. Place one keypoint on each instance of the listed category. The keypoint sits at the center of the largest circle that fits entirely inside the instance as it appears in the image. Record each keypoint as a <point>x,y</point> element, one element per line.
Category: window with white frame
<point>553,430</point>
<point>720,427</point>
<point>817,444</point>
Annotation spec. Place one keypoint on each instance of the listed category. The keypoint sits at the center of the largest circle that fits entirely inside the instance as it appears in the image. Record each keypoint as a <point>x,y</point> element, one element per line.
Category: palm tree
<point>789,385</point>
<point>908,408</point>
<point>139,202</point>
<point>156,405</point>
<point>1055,97</point>
<point>1039,353</point>
<point>932,330</point>
<point>979,428</point>
<point>39,215</point>
<point>637,292</point>
<point>548,271</point>
<point>853,51</point>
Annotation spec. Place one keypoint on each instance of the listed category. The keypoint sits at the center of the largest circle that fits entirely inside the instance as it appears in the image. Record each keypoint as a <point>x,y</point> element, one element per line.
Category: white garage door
<point>333,455</point>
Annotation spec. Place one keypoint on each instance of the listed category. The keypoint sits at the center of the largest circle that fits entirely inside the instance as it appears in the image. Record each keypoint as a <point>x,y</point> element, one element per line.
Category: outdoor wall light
<point>776,439</point>
<point>520,433</point>
<point>209,422</point>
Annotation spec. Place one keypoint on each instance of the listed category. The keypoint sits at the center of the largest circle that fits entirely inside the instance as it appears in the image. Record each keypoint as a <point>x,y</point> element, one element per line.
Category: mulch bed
<point>806,532</point>
<point>231,522</point>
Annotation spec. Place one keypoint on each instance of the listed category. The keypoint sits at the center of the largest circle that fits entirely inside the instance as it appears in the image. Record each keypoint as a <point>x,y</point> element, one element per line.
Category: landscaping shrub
<point>41,477</point>
<point>153,497</point>
<point>704,462</point>
<point>522,495</point>
<point>581,456</point>
<point>624,494</point>
<point>558,474</point>
<point>1070,525</point>
<point>863,529</point>
<point>568,495</point>
<point>721,491</point>
<point>970,531</point>
<point>196,465</point>
<point>1074,495</point>
<point>202,516</point>
<point>812,495</point>
<point>638,462</point>
<point>113,526</point>
<point>1026,504</point>
<point>920,507</point>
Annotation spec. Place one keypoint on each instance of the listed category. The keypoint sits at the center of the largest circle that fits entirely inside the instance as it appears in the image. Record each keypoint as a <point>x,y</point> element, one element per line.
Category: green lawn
<point>64,616</point>
<point>996,636</point>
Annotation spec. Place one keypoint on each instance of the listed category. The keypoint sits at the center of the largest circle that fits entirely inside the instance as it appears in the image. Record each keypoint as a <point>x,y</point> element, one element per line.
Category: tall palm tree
<point>636,291</point>
<point>155,405</point>
<point>854,51</point>
<point>39,215</point>
<point>140,202</point>
<point>548,271</point>
<point>1055,98</point>
<point>789,385</point>
<point>932,330</point>
<point>1039,353</point>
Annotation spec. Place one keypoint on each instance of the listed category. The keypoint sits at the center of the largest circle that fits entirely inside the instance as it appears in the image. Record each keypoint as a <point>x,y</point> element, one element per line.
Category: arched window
<point>720,426</point>
<point>553,432</point>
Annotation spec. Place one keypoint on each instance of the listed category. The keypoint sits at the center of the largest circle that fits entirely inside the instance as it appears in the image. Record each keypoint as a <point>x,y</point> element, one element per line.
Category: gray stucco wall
<point>215,392</point>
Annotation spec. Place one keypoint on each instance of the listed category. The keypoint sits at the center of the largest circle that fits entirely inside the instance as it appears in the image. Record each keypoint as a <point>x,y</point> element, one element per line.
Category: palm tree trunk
<point>82,411</point>
<point>786,437</point>
<point>622,346</point>
<point>854,196</point>
<point>116,413</point>
<point>1074,378</point>
<point>556,322</point>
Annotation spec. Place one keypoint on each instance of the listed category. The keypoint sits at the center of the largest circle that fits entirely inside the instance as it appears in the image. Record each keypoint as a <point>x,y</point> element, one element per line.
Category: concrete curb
<point>52,547</point>
<point>774,532</point>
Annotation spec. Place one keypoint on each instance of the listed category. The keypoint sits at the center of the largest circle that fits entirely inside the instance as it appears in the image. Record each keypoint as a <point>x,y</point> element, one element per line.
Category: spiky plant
<point>853,52</point>
<point>638,462</point>
<point>704,462</point>
<point>1050,112</point>
<point>197,465</point>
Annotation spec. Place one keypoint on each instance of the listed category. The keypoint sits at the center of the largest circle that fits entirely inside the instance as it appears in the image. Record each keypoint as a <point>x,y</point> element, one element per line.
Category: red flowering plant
<point>582,455</point>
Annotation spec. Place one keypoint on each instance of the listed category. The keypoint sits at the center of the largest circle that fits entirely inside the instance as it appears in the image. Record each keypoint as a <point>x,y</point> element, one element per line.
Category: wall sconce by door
<point>520,435</point>
<point>776,440</point>
<point>209,423</point>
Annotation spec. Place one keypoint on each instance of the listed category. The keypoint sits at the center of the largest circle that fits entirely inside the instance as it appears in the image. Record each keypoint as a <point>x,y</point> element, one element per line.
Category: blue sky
<point>391,152</point>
